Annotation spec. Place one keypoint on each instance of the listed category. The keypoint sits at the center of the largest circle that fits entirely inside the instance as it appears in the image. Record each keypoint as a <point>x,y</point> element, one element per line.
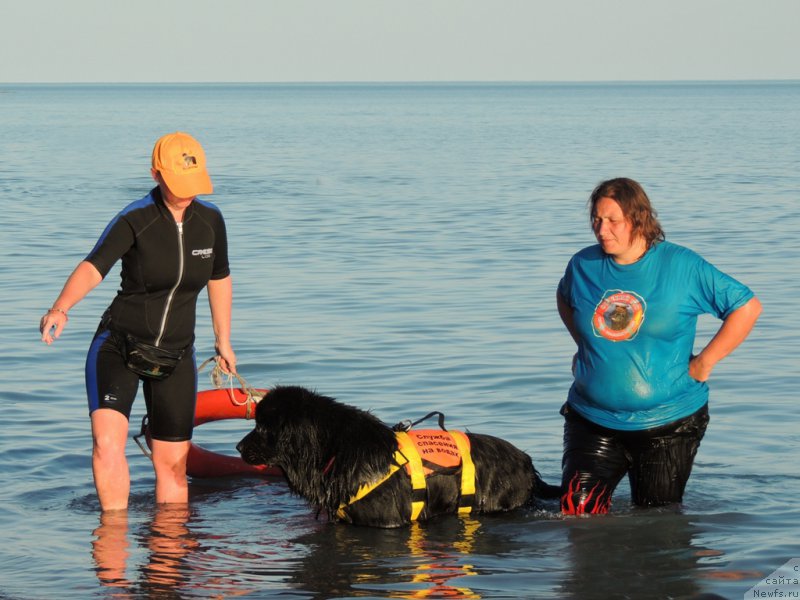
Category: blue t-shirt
<point>636,325</point>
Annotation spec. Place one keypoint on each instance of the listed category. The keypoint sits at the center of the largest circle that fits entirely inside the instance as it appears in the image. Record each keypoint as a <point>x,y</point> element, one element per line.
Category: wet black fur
<point>300,431</point>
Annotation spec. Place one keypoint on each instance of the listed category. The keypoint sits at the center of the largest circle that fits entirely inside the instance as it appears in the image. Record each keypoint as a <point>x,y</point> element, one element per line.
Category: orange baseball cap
<point>181,162</point>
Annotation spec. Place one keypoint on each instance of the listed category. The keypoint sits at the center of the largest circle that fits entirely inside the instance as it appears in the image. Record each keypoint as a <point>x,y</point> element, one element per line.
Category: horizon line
<point>410,82</point>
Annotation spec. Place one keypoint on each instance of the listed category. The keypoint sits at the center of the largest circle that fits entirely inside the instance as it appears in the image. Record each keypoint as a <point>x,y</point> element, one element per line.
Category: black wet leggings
<point>658,461</point>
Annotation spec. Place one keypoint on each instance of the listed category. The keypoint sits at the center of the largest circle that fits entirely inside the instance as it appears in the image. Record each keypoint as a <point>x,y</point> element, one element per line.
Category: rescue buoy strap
<point>143,434</point>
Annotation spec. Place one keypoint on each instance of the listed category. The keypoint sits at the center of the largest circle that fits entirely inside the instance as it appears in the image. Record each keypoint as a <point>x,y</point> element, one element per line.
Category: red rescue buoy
<point>218,405</point>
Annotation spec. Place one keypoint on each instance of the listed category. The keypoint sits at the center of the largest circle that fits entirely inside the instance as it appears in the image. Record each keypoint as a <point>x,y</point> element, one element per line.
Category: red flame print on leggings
<point>596,501</point>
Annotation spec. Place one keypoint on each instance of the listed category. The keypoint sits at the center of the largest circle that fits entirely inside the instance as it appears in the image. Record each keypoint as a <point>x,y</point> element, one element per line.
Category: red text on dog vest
<point>436,448</point>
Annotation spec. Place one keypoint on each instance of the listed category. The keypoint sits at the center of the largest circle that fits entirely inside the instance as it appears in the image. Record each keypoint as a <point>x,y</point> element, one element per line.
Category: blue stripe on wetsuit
<point>92,393</point>
<point>131,207</point>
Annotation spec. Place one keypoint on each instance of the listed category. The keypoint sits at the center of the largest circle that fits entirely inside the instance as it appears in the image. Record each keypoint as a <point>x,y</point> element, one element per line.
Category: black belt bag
<point>149,361</point>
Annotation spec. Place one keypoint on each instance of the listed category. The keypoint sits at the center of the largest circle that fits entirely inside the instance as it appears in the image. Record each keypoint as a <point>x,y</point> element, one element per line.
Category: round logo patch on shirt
<point>618,316</point>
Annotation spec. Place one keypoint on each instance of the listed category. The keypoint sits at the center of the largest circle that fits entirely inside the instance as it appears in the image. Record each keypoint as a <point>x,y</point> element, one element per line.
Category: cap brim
<point>197,183</point>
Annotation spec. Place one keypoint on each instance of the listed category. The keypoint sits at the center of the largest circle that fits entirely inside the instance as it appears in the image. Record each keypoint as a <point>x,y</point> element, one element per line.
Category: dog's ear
<point>266,408</point>
<point>279,400</point>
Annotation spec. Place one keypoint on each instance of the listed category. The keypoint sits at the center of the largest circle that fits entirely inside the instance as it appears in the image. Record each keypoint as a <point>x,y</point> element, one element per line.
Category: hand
<point>699,370</point>
<point>54,320</point>
<point>735,328</point>
<point>226,358</point>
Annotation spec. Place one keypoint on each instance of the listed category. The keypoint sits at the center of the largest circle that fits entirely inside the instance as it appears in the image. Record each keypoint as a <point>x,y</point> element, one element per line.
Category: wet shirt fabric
<point>164,266</point>
<point>636,325</point>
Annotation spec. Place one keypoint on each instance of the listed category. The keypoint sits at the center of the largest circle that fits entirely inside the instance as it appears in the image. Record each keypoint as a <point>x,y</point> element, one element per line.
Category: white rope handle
<point>220,378</point>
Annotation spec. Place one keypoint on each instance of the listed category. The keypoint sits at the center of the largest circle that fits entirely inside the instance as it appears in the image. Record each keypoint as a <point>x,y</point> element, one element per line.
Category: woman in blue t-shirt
<point>638,404</point>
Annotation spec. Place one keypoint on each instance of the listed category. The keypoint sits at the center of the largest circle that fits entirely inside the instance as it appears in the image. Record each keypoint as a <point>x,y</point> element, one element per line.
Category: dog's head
<point>275,435</point>
<point>259,447</point>
<point>326,449</point>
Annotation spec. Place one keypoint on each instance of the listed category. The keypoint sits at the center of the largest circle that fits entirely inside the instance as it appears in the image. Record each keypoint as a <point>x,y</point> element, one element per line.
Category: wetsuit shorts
<point>658,461</point>
<point>170,402</point>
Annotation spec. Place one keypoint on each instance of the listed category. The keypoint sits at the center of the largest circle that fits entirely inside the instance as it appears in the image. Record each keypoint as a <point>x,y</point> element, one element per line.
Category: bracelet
<point>63,312</point>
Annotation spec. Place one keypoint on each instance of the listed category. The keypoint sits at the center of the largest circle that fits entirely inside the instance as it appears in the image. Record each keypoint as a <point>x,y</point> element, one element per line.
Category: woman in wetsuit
<point>172,245</point>
<point>638,404</point>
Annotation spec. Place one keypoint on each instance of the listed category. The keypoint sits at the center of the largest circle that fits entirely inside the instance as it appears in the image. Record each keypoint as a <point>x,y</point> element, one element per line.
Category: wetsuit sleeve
<point>116,240</point>
<point>717,293</point>
<point>221,267</point>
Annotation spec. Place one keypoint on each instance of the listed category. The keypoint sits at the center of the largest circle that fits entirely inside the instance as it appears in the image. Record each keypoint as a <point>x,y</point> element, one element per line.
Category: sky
<point>397,40</point>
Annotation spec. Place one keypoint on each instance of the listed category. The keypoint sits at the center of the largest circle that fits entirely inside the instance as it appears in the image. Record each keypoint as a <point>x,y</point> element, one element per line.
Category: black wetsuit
<point>165,265</point>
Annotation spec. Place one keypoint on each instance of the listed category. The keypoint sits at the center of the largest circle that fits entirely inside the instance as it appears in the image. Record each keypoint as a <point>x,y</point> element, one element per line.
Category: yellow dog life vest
<point>418,451</point>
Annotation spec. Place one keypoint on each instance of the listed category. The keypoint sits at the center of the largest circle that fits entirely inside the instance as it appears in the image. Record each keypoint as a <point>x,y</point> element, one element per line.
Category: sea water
<point>398,246</point>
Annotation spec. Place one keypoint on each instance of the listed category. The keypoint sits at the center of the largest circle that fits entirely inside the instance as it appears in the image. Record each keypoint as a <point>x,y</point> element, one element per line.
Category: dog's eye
<point>266,436</point>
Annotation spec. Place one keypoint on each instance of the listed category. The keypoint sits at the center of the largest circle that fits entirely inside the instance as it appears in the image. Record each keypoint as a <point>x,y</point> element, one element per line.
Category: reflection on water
<point>168,541</point>
<point>342,560</point>
<point>412,562</point>
<point>616,556</point>
<point>439,567</point>
<point>175,553</point>
<point>111,549</point>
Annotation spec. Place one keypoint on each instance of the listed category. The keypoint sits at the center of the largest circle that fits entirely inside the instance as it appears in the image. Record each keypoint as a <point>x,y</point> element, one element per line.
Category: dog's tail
<point>544,491</point>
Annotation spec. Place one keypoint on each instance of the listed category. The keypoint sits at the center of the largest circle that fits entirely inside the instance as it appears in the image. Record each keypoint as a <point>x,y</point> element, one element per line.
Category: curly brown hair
<point>635,205</point>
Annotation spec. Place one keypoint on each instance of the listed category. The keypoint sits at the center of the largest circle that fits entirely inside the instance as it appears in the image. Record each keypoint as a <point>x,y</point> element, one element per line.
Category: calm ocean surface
<point>398,247</point>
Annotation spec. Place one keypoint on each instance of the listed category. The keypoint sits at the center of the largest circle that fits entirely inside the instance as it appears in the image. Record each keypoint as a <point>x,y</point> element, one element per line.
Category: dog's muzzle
<point>243,448</point>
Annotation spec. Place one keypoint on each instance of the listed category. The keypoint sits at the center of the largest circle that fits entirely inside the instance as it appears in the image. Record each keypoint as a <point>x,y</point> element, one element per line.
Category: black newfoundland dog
<point>352,466</point>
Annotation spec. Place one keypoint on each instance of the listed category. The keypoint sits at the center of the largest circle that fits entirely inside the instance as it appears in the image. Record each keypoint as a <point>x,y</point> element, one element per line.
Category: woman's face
<point>614,232</point>
<point>169,198</point>
<point>173,200</point>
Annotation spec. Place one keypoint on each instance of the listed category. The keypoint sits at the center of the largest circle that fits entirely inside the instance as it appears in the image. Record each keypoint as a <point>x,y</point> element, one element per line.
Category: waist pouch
<point>147,360</point>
